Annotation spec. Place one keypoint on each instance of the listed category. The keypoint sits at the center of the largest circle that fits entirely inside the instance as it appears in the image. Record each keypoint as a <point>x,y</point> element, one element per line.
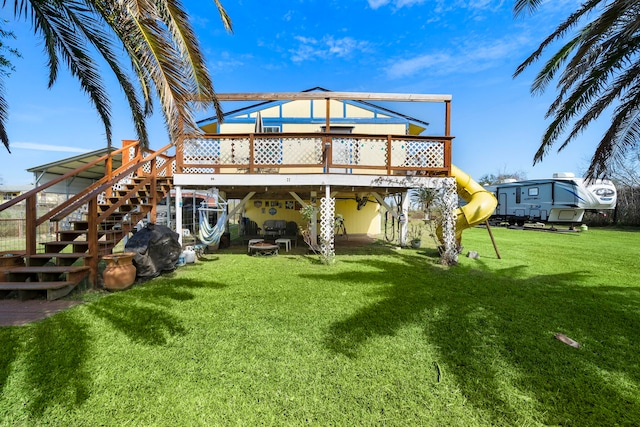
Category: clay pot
<point>120,273</point>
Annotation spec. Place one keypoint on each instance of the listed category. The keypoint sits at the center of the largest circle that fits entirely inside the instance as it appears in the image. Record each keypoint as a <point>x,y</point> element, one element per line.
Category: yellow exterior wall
<point>301,127</point>
<point>236,128</point>
<point>363,221</point>
<point>300,109</point>
<point>353,111</point>
<point>210,128</point>
<point>261,214</point>
<point>319,109</point>
<point>380,129</point>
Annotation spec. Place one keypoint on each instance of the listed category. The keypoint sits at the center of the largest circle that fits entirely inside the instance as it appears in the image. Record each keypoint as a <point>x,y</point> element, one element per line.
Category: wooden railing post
<point>389,139</point>
<point>109,172</point>
<point>447,118</point>
<point>180,155</point>
<point>447,156</point>
<point>92,239</point>
<point>328,115</point>
<point>327,142</point>
<point>31,224</point>
<point>154,187</point>
<point>251,155</point>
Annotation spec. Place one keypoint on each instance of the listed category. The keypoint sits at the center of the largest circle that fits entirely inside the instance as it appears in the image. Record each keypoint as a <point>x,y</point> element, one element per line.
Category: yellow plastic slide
<point>480,203</point>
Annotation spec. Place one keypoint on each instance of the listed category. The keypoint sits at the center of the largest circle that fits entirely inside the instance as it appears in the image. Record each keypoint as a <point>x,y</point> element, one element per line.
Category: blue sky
<point>466,48</point>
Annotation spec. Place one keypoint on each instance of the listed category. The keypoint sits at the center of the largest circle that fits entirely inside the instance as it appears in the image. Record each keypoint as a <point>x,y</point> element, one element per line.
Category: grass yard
<point>383,337</point>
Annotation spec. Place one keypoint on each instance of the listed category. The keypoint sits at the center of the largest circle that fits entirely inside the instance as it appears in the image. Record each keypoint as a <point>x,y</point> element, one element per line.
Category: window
<point>271,129</point>
<point>338,129</point>
<point>533,191</point>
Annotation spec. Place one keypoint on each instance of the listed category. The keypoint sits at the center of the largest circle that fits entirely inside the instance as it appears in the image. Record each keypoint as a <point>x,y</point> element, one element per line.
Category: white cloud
<point>409,67</point>
<point>47,147</point>
<point>328,47</point>
<point>374,4</point>
<point>468,58</point>
<point>228,62</point>
<point>397,4</point>
<point>441,5</point>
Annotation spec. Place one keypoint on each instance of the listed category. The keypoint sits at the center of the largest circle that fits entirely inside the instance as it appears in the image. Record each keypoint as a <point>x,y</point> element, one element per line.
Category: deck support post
<point>179,213</point>
<point>404,220</point>
<point>449,252</point>
<point>327,222</point>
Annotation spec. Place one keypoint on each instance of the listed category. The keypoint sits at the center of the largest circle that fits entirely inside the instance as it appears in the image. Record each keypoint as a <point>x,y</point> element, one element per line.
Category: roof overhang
<point>352,96</point>
<point>61,167</point>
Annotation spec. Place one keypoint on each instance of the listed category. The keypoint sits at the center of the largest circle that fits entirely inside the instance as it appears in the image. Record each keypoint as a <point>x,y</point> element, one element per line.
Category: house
<point>297,149</point>
<point>332,153</point>
<point>8,192</point>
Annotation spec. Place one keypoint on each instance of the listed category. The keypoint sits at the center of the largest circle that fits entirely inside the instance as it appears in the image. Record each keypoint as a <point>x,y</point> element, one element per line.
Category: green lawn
<point>383,337</point>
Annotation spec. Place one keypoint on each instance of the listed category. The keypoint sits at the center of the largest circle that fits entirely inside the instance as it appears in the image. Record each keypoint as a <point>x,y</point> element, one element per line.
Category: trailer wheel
<point>520,223</point>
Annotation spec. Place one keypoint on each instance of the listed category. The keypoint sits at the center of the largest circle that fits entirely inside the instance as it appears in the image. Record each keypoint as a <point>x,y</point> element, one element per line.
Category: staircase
<point>115,206</point>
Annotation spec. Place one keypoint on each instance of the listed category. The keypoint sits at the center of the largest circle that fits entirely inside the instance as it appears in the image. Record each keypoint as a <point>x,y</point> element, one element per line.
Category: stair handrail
<point>55,181</point>
<point>99,186</point>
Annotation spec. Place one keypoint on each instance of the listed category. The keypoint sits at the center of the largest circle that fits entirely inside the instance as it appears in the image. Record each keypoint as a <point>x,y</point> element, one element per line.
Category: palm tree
<point>423,197</point>
<point>598,68</point>
<point>160,43</point>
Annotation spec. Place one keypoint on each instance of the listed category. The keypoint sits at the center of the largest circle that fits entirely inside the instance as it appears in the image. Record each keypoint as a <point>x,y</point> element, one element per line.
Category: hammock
<point>208,234</point>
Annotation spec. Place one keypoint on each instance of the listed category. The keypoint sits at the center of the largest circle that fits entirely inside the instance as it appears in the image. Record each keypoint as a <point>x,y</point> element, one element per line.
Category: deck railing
<point>315,153</point>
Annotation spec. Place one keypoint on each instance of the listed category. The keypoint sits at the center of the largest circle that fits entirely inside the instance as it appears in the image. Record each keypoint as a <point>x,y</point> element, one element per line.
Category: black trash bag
<point>156,249</point>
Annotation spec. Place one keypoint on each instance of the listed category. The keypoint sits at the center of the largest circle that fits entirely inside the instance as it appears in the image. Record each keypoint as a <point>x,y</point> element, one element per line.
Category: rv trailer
<point>561,199</point>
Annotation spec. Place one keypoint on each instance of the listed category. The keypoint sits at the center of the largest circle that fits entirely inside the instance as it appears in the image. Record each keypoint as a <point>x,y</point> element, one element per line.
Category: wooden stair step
<point>69,242</point>
<point>48,273</point>
<point>62,259</point>
<point>54,289</point>
<point>45,272</point>
<point>33,286</point>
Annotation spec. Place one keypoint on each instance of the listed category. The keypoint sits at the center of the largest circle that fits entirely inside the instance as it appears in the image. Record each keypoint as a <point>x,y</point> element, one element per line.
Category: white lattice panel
<point>160,162</point>
<point>201,151</point>
<point>373,152</point>
<point>302,151</point>
<point>327,222</point>
<point>198,170</point>
<point>234,151</point>
<point>146,167</point>
<point>450,202</point>
<point>419,154</point>
<point>369,152</point>
<point>267,151</point>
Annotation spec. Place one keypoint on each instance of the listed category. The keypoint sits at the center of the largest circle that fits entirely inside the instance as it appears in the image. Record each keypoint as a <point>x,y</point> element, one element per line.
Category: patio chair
<point>250,230</point>
<point>291,232</point>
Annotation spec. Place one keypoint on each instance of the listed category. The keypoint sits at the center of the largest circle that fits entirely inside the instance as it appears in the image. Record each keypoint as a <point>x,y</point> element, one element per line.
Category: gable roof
<point>266,104</point>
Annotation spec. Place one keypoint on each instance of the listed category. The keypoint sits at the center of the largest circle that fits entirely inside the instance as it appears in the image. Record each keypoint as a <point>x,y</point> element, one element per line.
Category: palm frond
<point>226,20</point>
<point>4,113</point>
<point>560,32</point>
<point>598,68</point>
<point>522,6</point>
<point>55,23</point>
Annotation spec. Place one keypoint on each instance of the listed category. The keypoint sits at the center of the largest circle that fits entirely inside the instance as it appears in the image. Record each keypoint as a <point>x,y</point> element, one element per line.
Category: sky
<point>466,48</point>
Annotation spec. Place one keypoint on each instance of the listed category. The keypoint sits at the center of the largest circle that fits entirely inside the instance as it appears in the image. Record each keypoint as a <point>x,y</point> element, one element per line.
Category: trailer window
<point>518,193</point>
<point>533,191</point>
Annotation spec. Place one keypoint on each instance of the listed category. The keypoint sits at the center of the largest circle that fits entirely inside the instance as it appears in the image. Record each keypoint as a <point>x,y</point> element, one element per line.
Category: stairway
<point>67,261</point>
